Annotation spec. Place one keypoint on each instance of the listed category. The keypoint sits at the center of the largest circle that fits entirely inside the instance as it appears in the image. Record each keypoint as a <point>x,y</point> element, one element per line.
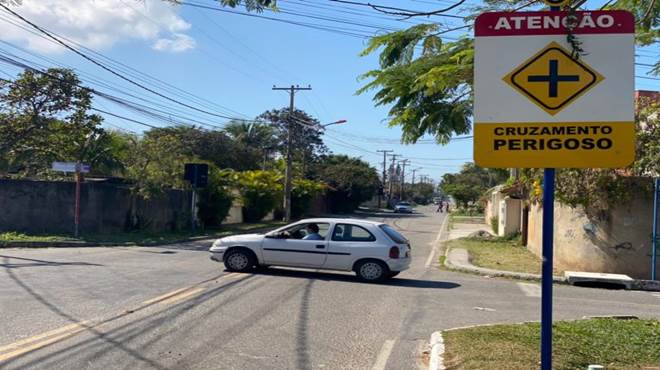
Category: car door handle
<point>320,246</point>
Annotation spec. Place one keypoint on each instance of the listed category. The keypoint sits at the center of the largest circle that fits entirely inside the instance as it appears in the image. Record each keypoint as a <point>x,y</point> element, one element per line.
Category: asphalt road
<point>173,308</point>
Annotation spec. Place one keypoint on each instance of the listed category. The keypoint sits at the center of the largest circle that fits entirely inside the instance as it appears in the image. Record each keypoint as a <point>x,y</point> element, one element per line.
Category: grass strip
<point>614,344</point>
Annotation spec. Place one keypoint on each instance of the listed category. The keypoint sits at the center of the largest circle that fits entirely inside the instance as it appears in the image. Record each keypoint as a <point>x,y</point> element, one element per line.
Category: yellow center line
<point>181,296</point>
<point>53,336</point>
<point>40,344</point>
<point>37,337</point>
<point>167,296</point>
<point>164,296</point>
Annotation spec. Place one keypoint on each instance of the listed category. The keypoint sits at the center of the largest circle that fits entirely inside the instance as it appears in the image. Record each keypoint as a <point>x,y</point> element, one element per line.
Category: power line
<point>122,117</point>
<point>409,11</point>
<point>104,67</point>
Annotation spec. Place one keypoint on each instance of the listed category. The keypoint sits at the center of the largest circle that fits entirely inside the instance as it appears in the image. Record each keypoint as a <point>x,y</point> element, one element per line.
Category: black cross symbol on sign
<point>553,78</point>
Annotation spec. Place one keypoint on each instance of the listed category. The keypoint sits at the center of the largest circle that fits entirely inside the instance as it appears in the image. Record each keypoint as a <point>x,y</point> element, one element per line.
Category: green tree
<point>302,193</point>
<point>213,146</point>
<point>216,199</point>
<point>422,193</point>
<point>427,82</point>
<point>471,182</point>
<point>261,192</point>
<point>307,140</point>
<point>350,181</point>
<point>257,137</point>
<point>44,118</point>
<point>156,163</point>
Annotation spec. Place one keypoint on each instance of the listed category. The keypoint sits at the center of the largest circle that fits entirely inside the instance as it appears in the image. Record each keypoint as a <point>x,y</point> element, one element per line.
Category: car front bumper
<point>217,256</point>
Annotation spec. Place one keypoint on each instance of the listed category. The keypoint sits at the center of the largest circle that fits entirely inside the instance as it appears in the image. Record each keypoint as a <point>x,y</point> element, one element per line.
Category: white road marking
<point>657,295</point>
<point>436,243</point>
<point>383,355</point>
<point>530,290</point>
<point>487,309</point>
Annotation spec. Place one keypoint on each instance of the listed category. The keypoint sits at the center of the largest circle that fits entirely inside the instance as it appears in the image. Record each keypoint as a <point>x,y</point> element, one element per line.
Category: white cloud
<point>179,43</point>
<point>99,24</point>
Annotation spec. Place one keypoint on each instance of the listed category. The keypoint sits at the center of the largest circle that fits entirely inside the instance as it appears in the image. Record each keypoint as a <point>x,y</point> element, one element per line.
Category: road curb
<point>436,357</point>
<point>466,266</point>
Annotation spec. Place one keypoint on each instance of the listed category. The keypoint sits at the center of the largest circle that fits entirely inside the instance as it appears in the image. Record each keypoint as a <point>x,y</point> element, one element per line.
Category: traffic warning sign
<point>537,105</point>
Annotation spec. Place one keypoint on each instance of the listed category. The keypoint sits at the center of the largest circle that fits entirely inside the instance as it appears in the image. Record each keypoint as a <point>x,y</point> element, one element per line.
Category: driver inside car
<point>313,232</point>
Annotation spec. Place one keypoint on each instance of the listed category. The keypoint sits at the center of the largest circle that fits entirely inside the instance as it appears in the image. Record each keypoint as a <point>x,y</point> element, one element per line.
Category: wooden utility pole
<point>289,136</point>
<point>403,178</point>
<point>389,193</point>
<point>384,172</point>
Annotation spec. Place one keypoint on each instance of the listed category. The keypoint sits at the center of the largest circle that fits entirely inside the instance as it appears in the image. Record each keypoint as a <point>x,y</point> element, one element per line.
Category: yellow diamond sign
<point>552,79</point>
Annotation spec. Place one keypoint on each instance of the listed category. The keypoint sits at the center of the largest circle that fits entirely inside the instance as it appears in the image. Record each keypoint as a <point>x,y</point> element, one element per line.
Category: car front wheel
<point>372,271</point>
<point>239,261</point>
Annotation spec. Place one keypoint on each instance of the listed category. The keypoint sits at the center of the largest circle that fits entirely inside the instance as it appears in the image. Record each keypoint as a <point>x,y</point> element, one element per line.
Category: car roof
<point>340,220</point>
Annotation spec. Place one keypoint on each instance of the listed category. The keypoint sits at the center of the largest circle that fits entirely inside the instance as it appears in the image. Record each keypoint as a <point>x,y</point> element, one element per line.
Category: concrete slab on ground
<point>580,277</point>
<point>459,230</point>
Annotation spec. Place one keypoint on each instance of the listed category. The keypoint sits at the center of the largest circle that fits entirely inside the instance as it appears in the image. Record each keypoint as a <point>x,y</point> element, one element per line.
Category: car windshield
<point>393,234</point>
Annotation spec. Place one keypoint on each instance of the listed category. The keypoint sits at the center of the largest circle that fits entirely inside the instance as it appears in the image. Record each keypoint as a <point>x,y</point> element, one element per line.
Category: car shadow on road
<point>330,276</point>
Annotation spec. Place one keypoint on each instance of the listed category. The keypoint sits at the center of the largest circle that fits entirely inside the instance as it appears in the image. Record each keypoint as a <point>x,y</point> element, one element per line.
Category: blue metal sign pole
<point>546,271</point>
<point>654,239</point>
<point>546,281</point>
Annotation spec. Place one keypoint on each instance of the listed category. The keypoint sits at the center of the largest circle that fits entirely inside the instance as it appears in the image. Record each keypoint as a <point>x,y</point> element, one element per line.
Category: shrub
<point>495,225</point>
<point>302,193</point>
<point>215,200</point>
<point>260,192</point>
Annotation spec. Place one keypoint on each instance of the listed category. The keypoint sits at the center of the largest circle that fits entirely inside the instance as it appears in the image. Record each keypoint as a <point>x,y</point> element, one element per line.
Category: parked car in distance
<point>373,250</point>
<point>403,207</point>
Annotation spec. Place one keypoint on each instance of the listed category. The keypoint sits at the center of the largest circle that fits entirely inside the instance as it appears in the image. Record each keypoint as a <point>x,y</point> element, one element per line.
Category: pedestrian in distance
<point>439,207</point>
<point>447,207</point>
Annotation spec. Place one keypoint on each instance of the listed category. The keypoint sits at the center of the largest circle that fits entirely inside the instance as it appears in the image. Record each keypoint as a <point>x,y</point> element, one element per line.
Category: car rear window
<point>351,233</point>
<point>394,235</point>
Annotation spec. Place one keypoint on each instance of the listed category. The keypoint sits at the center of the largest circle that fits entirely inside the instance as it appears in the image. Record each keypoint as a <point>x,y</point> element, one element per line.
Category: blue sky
<point>232,61</point>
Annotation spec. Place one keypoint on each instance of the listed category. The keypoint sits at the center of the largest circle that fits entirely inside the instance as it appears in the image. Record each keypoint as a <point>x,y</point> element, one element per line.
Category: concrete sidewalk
<point>458,259</point>
<point>462,230</point>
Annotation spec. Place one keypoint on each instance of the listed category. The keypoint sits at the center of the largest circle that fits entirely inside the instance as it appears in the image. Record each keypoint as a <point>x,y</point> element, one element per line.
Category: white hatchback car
<point>375,251</point>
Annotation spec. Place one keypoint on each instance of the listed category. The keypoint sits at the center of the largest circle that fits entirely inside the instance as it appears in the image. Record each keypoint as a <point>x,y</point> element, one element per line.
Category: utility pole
<point>384,171</point>
<point>413,179</point>
<point>389,193</point>
<point>403,178</point>
<point>289,136</point>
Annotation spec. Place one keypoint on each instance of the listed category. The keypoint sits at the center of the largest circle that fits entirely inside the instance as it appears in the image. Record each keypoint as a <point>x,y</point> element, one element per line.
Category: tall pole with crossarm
<point>289,136</point>
<point>380,195</point>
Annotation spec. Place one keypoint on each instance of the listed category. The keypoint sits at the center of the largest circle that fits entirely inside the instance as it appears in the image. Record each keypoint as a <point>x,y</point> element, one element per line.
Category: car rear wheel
<point>372,271</point>
<point>239,260</point>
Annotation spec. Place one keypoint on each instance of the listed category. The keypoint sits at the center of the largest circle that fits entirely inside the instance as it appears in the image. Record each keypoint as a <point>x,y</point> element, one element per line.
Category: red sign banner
<point>554,23</point>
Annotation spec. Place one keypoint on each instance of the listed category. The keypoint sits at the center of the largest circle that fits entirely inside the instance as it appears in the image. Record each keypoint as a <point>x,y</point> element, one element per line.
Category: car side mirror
<point>280,235</point>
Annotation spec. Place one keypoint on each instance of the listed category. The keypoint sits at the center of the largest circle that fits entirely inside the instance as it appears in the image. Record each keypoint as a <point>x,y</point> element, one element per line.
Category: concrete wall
<point>619,243</point>
<point>317,207</point>
<point>492,208</point>
<point>509,216</point>
<point>48,207</point>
